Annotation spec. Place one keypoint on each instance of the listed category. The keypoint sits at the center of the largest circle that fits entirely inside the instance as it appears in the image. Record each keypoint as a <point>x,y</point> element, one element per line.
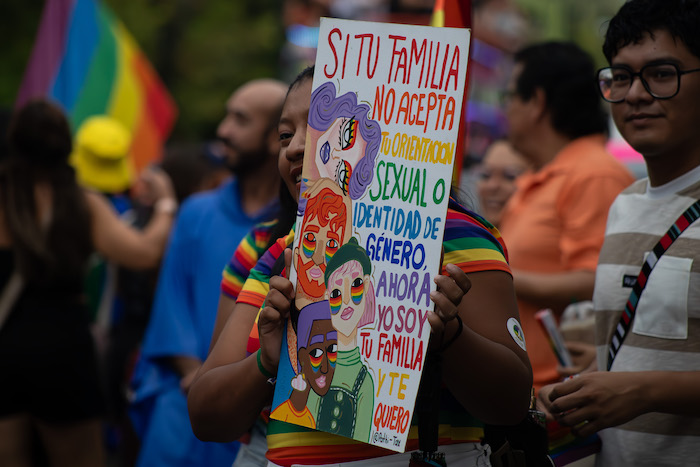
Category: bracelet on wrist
<point>166,206</point>
<point>271,379</point>
<point>460,327</point>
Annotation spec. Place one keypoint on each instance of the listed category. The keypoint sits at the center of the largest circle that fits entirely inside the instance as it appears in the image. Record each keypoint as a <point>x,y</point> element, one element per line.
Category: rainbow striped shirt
<point>245,258</point>
<point>258,284</point>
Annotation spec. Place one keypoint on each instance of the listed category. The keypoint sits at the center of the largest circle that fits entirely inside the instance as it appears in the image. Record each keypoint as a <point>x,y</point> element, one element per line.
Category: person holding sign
<point>486,371</point>
<point>501,395</point>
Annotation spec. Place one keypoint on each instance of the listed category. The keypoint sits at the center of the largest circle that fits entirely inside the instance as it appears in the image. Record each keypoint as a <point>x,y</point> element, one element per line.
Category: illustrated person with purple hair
<point>316,358</point>
<point>347,408</point>
<point>344,140</point>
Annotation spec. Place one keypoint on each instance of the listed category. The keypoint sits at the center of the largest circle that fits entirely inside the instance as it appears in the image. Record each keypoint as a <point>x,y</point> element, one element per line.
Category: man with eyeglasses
<point>554,223</point>
<point>648,402</point>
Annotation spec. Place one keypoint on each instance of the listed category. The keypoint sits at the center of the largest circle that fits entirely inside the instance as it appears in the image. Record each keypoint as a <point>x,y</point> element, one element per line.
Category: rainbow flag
<point>86,60</point>
<point>452,14</point>
<point>455,14</point>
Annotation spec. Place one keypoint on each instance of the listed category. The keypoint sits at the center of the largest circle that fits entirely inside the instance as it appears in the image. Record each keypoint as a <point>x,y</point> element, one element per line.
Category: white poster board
<point>380,147</point>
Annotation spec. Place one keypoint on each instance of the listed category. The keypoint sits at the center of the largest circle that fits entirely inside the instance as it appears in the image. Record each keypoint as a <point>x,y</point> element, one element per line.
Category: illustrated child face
<point>338,150</point>
<point>318,358</point>
<point>347,296</point>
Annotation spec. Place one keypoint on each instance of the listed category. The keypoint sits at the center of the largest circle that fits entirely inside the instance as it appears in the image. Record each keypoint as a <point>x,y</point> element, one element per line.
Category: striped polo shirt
<point>665,333</point>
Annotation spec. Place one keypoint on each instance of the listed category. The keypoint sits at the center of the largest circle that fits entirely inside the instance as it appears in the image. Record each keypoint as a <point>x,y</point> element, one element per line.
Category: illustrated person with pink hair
<point>351,298</point>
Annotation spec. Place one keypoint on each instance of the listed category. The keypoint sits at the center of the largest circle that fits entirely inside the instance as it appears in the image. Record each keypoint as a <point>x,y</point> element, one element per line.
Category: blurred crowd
<point>129,325</point>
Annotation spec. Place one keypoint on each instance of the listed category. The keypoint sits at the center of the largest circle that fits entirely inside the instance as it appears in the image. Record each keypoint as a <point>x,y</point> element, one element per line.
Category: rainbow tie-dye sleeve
<point>244,259</point>
<point>258,284</point>
<point>472,243</point>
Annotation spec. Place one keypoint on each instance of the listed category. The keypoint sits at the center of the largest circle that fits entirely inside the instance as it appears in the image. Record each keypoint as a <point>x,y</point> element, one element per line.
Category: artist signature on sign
<point>382,438</point>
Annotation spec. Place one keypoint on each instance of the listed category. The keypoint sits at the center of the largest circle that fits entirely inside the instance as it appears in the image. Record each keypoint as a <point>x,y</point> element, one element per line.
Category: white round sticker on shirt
<point>516,332</point>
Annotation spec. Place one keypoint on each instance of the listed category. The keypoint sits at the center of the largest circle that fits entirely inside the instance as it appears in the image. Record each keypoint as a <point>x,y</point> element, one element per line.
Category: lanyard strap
<point>682,223</point>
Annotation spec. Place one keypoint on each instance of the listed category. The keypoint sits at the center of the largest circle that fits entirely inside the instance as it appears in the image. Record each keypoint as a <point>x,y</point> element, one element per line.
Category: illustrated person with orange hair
<point>325,227</point>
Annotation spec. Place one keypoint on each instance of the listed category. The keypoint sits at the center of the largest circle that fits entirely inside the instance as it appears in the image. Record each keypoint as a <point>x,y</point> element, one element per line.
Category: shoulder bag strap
<point>682,223</point>
<point>9,296</point>
<point>15,284</point>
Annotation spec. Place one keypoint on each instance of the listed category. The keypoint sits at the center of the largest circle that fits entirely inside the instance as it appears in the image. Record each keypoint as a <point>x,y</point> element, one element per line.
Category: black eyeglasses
<point>661,80</point>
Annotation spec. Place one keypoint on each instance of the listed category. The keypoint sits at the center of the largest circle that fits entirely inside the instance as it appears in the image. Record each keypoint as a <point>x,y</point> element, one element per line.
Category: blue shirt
<point>207,231</point>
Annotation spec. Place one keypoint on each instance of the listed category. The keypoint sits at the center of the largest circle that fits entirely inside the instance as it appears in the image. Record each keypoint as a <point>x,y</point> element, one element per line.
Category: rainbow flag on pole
<point>455,14</point>
<point>86,60</point>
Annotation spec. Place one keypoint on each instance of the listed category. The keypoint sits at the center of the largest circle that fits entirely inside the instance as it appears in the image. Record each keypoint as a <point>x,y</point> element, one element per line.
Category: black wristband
<point>444,346</point>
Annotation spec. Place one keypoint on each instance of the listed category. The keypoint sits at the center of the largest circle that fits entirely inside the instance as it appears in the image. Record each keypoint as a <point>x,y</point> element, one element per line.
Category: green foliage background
<point>581,21</point>
<point>203,49</point>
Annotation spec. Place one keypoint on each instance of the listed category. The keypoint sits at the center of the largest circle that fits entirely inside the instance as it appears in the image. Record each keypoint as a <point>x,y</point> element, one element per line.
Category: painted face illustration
<point>318,245</point>
<point>338,151</point>
<point>322,233</point>
<point>343,140</point>
<point>318,358</point>
<point>347,297</point>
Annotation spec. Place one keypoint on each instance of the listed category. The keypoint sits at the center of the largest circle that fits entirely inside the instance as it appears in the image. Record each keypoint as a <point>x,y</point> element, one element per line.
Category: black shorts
<point>48,366</point>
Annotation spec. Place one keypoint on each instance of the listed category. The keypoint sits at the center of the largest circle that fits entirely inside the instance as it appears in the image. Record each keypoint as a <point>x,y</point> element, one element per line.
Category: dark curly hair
<point>636,18</point>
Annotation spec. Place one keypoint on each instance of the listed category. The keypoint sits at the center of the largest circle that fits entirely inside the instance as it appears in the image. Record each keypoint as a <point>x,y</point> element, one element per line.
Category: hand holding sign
<point>271,324</point>
<point>447,297</point>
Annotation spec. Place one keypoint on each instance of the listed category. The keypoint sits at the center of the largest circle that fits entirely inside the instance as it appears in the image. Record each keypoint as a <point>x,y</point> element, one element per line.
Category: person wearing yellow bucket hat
<point>100,159</point>
<point>100,155</point>
<point>116,297</point>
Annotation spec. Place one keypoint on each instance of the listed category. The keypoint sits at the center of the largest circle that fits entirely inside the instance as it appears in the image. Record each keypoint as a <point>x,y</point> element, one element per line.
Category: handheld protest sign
<point>380,147</point>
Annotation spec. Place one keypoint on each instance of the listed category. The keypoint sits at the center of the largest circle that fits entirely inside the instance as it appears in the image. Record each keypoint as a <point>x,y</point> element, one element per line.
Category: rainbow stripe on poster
<point>86,60</point>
